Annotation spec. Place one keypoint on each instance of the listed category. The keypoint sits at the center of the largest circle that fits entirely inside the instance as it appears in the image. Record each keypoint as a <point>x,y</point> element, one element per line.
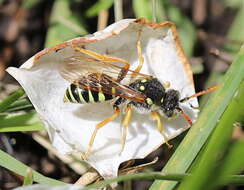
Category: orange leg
<point>160,127</point>
<point>139,52</point>
<point>185,116</point>
<point>99,57</point>
<point>98,126</point>
<point>125,124</point>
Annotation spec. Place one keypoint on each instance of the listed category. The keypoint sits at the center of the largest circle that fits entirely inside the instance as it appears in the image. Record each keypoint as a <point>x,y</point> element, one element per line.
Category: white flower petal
<point>70,125</point>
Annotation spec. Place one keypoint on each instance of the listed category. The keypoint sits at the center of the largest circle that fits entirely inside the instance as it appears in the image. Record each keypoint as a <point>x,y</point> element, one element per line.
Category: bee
<point>98,78</point>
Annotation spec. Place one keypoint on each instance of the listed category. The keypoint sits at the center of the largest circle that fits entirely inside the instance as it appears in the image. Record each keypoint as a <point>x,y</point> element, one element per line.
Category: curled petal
<point>70,125</point>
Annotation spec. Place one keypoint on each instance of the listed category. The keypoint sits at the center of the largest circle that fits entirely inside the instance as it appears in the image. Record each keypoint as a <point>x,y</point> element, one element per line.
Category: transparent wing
<point>106,84</point>
<point>91,74</point>
<point>76,67</point>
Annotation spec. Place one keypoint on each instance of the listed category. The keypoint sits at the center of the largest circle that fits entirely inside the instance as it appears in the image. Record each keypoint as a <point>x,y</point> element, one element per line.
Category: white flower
<point>70,125</point>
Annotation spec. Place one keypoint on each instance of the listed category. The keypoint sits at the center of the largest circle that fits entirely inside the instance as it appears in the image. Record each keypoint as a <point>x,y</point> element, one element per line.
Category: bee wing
<point>76,67</point>
<point>107,85</point>
<point>91,74</point>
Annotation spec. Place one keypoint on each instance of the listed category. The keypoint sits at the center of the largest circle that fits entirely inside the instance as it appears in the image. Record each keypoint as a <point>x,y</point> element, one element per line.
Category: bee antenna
<point>184,115</point>
<point>199,93</point>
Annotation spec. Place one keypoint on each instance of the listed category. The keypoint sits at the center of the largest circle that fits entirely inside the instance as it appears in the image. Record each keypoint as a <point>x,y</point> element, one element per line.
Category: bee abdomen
<point>77,95</point>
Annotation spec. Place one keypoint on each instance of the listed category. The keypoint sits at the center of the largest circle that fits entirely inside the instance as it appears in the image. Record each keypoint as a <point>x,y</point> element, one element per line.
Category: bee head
<point>170,103</point>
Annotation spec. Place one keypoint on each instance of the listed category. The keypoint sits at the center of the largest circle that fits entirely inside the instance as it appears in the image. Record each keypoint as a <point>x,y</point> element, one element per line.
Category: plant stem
<point>118,10</point>
<point>154,10</point>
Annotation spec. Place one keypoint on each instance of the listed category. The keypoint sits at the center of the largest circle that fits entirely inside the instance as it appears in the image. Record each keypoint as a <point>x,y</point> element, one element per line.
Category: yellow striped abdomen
<point>77,95</point>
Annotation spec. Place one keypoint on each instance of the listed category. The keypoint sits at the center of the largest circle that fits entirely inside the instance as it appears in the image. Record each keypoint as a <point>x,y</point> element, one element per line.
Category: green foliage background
<point>207,151</point>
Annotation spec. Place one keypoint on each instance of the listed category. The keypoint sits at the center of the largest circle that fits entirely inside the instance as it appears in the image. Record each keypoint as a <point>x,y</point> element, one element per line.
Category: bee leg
<point>107,59</point>
<point>139,52</point>
<point>123,72</point>
<point>160,127</point>
<point>99,57</point>
<point>125,124</point>
<point>185,116</point>
<point>98,126</point>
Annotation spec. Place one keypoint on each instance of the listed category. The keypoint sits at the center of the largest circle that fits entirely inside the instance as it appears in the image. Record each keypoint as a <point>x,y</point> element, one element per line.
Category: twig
<point>216,38</point>
<point>199,11</point>
<point>102,20</point>
<point>88,178</point>
<point>222,55</point>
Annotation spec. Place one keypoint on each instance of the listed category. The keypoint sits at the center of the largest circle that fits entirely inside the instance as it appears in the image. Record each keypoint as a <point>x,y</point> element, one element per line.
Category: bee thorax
<point>154,92</point>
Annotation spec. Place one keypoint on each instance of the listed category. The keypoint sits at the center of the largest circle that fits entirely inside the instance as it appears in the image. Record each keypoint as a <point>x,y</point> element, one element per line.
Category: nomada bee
<point>96,78</point>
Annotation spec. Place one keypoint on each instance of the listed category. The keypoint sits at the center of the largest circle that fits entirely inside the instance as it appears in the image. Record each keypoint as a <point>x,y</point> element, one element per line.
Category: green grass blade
<point>13,108</point>
<point>20,102</point>
<point>231,179</point>
<point>28,180</point>
<point>185,27</point>
<point>236,31</point>
<point>138,176</point>
<point>165,10</point>
<point>20,105</point>
<point>99,6</point>
<point>142,9</point>
<point>154,10</point>
<point>64,24</point>
<point>28,4</point>
<point>232,164</point>
<point>21,128</point>
<point>20,122</point>
<point>234,179</point>
<point>206,170</point>
<point>198,134</point>
<point>233,3</point>
<point>11,99</point>
<point>18,167</point>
